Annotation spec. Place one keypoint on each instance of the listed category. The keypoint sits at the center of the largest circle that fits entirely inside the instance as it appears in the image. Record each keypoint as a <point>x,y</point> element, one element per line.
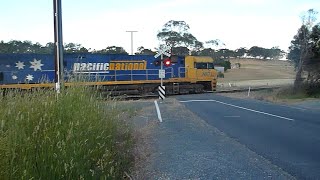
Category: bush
<point>313,89</point>
<point>223,63</point>
<point>305,91</point>
<point>220,75</point>
<point>71,136</point>
<point>288,92</point>
<point>226,65</point>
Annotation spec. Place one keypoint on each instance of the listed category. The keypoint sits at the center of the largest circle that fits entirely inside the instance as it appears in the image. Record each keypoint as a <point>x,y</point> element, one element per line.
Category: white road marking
<point>299,108</point>
<point>232,116</point>
<point>158,111</point>
<point>252,110</point>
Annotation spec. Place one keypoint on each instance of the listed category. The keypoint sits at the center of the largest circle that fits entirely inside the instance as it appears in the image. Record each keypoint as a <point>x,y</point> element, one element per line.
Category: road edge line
<point>248,109</point>
<point>158,110</point>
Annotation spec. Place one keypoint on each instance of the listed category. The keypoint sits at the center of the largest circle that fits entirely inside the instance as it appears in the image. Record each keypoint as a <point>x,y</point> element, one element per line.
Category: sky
<point>97,24</point>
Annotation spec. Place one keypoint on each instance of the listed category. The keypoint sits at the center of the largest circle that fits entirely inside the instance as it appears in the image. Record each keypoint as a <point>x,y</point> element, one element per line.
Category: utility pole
<point>58,45</point>
<point>161,68</point>
<point>131,40</point>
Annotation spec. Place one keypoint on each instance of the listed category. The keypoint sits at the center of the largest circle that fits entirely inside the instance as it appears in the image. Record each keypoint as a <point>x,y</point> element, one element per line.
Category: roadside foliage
<point>71,135</point>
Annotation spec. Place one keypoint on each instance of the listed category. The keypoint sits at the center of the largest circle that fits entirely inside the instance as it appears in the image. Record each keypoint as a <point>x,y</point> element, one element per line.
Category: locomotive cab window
<point>203,65</point>
<point>210,66</point>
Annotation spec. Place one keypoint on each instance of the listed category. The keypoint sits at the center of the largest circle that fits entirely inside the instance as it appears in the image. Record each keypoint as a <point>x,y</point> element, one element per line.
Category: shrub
<point>69,136</point>
<point>288,92</point>
<point>220,75</point>
<point>224,63</point>
<point>238,65</point>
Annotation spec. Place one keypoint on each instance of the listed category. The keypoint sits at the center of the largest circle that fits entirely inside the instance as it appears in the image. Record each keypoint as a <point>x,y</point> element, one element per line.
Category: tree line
<point>176,35</point>
<point>16,46</point>
<point>224,53</point>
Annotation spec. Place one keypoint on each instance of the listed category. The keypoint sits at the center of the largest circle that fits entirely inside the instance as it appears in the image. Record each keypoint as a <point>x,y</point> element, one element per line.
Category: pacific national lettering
<point>121,65</point>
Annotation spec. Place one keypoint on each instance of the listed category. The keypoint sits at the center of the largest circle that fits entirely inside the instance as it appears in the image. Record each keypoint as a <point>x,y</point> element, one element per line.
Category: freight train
<point>118,74</point>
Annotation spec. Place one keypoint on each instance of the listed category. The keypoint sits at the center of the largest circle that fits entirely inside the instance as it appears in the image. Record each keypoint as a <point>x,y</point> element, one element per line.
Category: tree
<point>224,53</point>
<point>15,46</point>
<point>204,52</point>
<point>255,52</point>
<point>47,49</point>
<point>4,47</point>
<point>113,50</point>
<point>75,48</point>
<point>143,51</point>
<point>299,50</point>
<point>315,40</point>
<point>312,63</point>
<point>176,34</point>
<point>180,51</point>
<point>275,53</point>
<point>215,43</point>
<point>240,52</point>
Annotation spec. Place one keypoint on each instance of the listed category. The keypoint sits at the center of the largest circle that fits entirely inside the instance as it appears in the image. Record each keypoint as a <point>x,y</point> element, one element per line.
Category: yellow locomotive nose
<point>200,70</point>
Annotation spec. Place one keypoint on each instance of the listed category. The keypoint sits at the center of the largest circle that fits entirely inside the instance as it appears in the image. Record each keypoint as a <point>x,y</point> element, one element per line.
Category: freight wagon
<point>119,74</point>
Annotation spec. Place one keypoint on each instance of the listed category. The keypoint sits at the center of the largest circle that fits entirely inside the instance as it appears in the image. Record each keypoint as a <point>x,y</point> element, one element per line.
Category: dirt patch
<point>266,95</point>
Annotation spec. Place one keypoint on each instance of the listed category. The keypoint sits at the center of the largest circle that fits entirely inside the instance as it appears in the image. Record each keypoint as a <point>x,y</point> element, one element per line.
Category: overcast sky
<point>97,24</point>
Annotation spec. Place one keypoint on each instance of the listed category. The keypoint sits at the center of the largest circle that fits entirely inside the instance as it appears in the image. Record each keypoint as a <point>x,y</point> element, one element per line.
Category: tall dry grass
<point>69,136</point>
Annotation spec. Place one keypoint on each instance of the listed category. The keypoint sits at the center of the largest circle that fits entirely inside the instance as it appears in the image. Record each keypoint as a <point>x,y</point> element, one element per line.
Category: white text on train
<point>90,66</point>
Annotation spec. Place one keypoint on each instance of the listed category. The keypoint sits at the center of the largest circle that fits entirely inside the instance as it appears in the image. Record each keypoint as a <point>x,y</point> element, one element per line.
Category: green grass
<point>69,136</point>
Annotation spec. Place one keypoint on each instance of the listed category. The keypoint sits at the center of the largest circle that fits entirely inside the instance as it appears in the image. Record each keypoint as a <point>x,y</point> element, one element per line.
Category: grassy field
<point>258,70</point>
<point>255,73</point>
<point>67,136</point>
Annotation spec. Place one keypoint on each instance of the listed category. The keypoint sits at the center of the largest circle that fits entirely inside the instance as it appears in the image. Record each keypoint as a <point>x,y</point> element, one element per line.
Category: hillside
<point>258,73</point>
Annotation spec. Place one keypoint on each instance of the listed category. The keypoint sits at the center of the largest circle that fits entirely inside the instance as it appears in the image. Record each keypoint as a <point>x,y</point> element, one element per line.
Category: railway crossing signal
<point>166,62</point>
<point>161,52</point>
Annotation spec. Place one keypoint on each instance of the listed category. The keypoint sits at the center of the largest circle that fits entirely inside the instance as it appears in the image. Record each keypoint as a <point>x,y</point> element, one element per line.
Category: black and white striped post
<point>162,92</point>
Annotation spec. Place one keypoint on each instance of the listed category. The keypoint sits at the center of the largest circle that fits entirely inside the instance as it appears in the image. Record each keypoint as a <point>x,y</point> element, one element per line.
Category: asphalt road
<point>184,146</point>
<point>286,136</point>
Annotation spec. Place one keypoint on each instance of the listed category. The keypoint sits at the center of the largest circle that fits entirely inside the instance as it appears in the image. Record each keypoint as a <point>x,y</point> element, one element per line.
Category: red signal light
<point>167,62</point>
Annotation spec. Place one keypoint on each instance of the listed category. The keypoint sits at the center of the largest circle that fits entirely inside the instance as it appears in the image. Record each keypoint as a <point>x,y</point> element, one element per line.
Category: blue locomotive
<point>128,74</point>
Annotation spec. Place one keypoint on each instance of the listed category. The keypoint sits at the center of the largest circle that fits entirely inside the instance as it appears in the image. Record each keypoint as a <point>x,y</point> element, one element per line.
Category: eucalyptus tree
<point>176,34</point>
<point>302,46</point>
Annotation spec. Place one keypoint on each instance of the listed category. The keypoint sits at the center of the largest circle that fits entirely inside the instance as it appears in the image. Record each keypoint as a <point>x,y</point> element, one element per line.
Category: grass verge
<point>288,94</point>
<point>72,136</point>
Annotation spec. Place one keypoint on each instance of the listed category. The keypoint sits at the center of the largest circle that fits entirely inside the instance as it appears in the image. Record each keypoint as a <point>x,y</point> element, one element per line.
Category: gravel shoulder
<point>184,146</point>
<point>254,83</point>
